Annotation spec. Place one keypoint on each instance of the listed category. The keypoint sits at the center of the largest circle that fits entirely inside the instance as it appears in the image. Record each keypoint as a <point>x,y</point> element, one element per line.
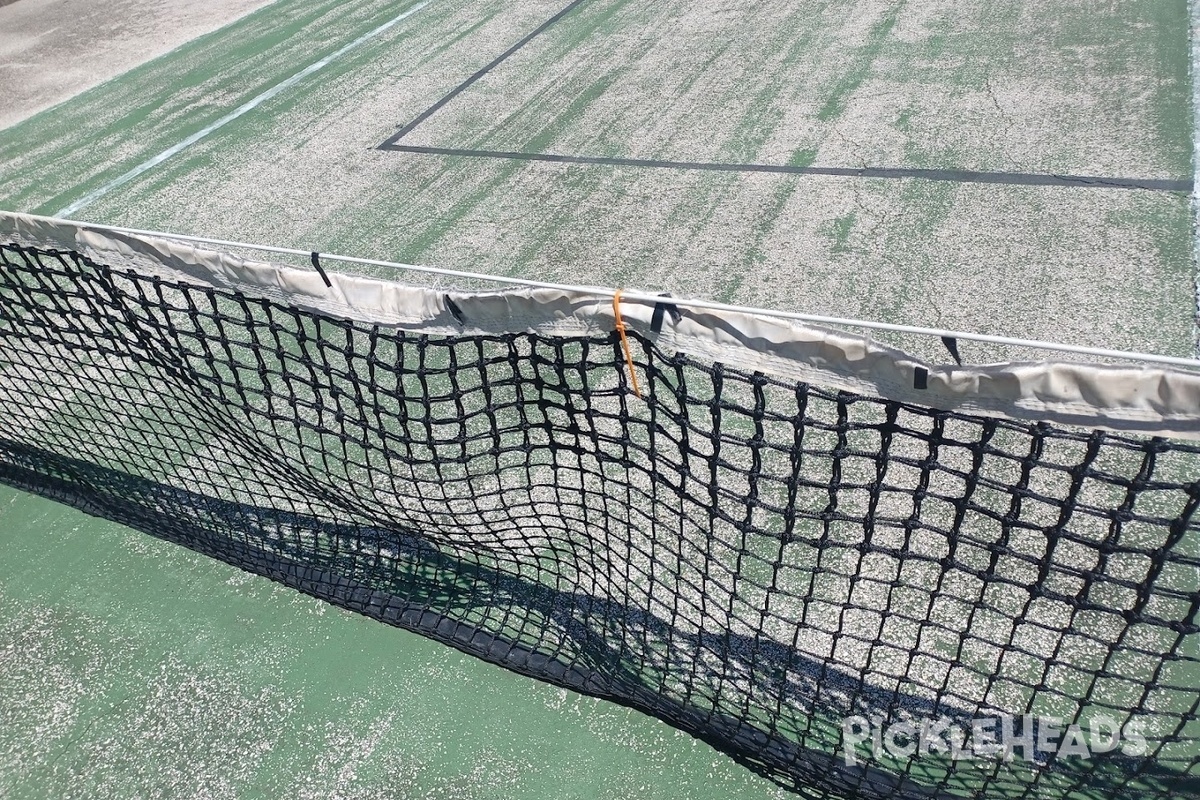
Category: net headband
<point>1135,398</point>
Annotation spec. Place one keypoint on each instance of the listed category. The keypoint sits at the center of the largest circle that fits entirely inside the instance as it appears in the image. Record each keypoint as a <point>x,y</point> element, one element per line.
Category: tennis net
<point>857,573</point>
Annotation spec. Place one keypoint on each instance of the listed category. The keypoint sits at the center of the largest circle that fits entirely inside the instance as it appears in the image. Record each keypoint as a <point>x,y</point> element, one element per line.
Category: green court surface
<point>1024,169</point>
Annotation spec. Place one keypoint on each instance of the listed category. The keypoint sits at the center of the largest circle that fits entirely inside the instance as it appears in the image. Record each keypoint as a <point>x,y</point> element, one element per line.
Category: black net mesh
<point>786,572</point>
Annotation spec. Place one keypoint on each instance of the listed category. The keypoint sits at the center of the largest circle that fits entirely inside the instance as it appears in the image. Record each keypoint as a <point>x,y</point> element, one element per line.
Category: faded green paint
<point>803,157</point>
<point>154,106</point>
<point>842,226</point>
<point>143,669</point>
<point>856,73</point>
<point>756,256</point>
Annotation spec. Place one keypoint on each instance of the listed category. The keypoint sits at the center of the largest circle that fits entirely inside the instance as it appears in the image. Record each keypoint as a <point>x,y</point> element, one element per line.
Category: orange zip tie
<point>625,343</point>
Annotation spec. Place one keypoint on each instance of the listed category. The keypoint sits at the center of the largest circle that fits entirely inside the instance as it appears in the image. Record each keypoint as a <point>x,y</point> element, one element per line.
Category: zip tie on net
<point>625,343</point>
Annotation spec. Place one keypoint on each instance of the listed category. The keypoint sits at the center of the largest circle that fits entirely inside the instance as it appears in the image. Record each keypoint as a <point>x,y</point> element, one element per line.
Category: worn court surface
<point>105,38</point>
<point>1025,171</point>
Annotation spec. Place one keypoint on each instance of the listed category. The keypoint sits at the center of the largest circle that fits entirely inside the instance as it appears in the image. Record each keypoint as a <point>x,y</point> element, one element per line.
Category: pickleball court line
<point>391,144</point>
<point>955,175</point>
<point>462,87</point>
<point>249,105</point>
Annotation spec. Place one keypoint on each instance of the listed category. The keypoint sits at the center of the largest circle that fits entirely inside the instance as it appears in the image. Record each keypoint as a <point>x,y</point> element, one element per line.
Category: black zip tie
<point>316,262</point>
<point>952,345</point>
<point>656,321</point>
<point>453,308</point>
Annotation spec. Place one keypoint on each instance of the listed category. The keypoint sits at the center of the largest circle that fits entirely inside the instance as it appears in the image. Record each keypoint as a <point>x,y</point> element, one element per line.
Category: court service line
<point>248,106</point>
<point>954,175</point>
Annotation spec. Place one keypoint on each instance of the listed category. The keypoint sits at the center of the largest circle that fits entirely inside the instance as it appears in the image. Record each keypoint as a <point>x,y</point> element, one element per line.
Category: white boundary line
<point>249,105</point>
<point>646,297</point>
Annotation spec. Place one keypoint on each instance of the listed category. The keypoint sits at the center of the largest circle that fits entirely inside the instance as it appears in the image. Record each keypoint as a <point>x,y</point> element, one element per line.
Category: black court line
<point>462,87</point>
<point>956,175</point>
